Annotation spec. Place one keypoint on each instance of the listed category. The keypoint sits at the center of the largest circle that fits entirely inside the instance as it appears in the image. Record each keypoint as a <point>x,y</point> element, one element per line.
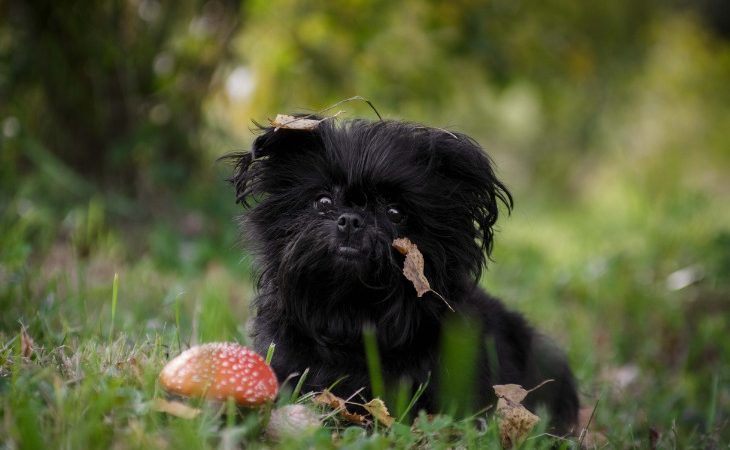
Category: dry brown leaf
<point>413,267</point>
<point>403,245</point>
<point>512,392</point>
<point>27,345</point>
<point>294,123</point>
<point>327,398</point>
<point>377,408</point>
<point>515,422</point>
<point>176,409</point>
<point>357,419</point>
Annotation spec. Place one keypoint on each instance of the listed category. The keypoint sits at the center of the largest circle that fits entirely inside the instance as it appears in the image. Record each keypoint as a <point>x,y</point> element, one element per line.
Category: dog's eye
<point>323,202</point>
<point>395,215</point>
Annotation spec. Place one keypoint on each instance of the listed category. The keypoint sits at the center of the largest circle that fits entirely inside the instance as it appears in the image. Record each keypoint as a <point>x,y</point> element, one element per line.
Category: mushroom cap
<point>220,370</point>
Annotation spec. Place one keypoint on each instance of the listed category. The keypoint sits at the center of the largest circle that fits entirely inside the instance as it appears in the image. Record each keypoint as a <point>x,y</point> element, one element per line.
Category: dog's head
<point>325,204</point>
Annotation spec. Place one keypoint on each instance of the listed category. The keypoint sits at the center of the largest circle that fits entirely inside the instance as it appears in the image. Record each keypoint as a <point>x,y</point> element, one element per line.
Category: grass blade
<point>419,392</point>
<point>177,323</point>
<point>270,353</point>
<point>298,387</point>
<point>115,292</point>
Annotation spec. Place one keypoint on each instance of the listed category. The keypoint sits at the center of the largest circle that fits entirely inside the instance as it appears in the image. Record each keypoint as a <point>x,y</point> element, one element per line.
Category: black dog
<point>327,204</point>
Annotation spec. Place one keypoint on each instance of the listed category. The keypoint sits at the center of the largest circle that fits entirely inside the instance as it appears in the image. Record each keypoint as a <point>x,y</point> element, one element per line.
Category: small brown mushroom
<point>218,371</point>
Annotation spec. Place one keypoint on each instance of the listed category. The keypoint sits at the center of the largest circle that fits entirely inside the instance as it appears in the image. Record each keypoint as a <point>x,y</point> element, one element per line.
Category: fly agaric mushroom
<point>218,371</point>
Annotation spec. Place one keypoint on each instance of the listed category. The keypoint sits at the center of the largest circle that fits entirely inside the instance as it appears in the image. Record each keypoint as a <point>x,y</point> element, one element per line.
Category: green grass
<point>639,300</point>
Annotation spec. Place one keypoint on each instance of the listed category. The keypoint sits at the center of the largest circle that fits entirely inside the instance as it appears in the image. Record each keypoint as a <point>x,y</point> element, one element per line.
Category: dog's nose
<point>349,222</point>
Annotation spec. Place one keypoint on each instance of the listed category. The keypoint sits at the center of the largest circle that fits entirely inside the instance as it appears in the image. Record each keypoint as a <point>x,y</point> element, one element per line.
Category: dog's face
<point>326,204</point>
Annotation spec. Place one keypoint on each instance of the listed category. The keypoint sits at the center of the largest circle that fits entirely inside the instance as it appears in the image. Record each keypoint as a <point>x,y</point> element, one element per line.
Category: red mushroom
<point>218,371</point>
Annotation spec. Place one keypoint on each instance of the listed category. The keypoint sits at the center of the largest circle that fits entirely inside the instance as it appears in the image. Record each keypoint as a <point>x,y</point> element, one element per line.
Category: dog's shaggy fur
<point>323,207</point>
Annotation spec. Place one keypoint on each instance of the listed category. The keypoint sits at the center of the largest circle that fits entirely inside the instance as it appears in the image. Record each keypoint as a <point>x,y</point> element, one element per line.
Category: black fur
<point>321,282</point>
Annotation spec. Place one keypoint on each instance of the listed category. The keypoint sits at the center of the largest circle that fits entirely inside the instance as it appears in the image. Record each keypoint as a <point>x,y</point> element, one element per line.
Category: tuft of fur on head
<point>441,182</point>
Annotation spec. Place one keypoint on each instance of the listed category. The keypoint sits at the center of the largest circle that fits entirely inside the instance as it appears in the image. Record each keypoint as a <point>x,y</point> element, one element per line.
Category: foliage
<point>535,77</point>
<point>114,89</point>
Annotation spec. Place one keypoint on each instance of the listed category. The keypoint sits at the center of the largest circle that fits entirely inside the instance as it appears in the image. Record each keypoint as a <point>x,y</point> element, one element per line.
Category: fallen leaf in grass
<point>294,123</point>
<point>413,267</point>
<point>327,398</point>
<point>512,392</point>
<point>515,422</point>
<point>27,345</point>
<point>357,419</point>
<point>173,408</point>
<point>377,408</point>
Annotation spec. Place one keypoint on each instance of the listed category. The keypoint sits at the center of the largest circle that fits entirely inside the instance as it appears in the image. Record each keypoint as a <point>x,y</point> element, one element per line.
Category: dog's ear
<point>296,130</point>
<point>475,185</point>
<point>273,144</point>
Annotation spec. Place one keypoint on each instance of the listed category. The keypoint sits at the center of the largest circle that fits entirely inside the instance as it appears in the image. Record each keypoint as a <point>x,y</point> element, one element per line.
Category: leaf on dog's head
<point>413,267</point>
<point>294,123</point>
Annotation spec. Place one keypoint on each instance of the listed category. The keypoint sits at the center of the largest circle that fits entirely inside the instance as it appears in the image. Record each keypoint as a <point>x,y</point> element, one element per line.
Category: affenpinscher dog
<point>323,207</point>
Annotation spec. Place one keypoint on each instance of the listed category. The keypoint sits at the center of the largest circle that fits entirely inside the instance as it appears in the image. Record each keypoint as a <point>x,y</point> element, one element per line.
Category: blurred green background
<point>609,121</point>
